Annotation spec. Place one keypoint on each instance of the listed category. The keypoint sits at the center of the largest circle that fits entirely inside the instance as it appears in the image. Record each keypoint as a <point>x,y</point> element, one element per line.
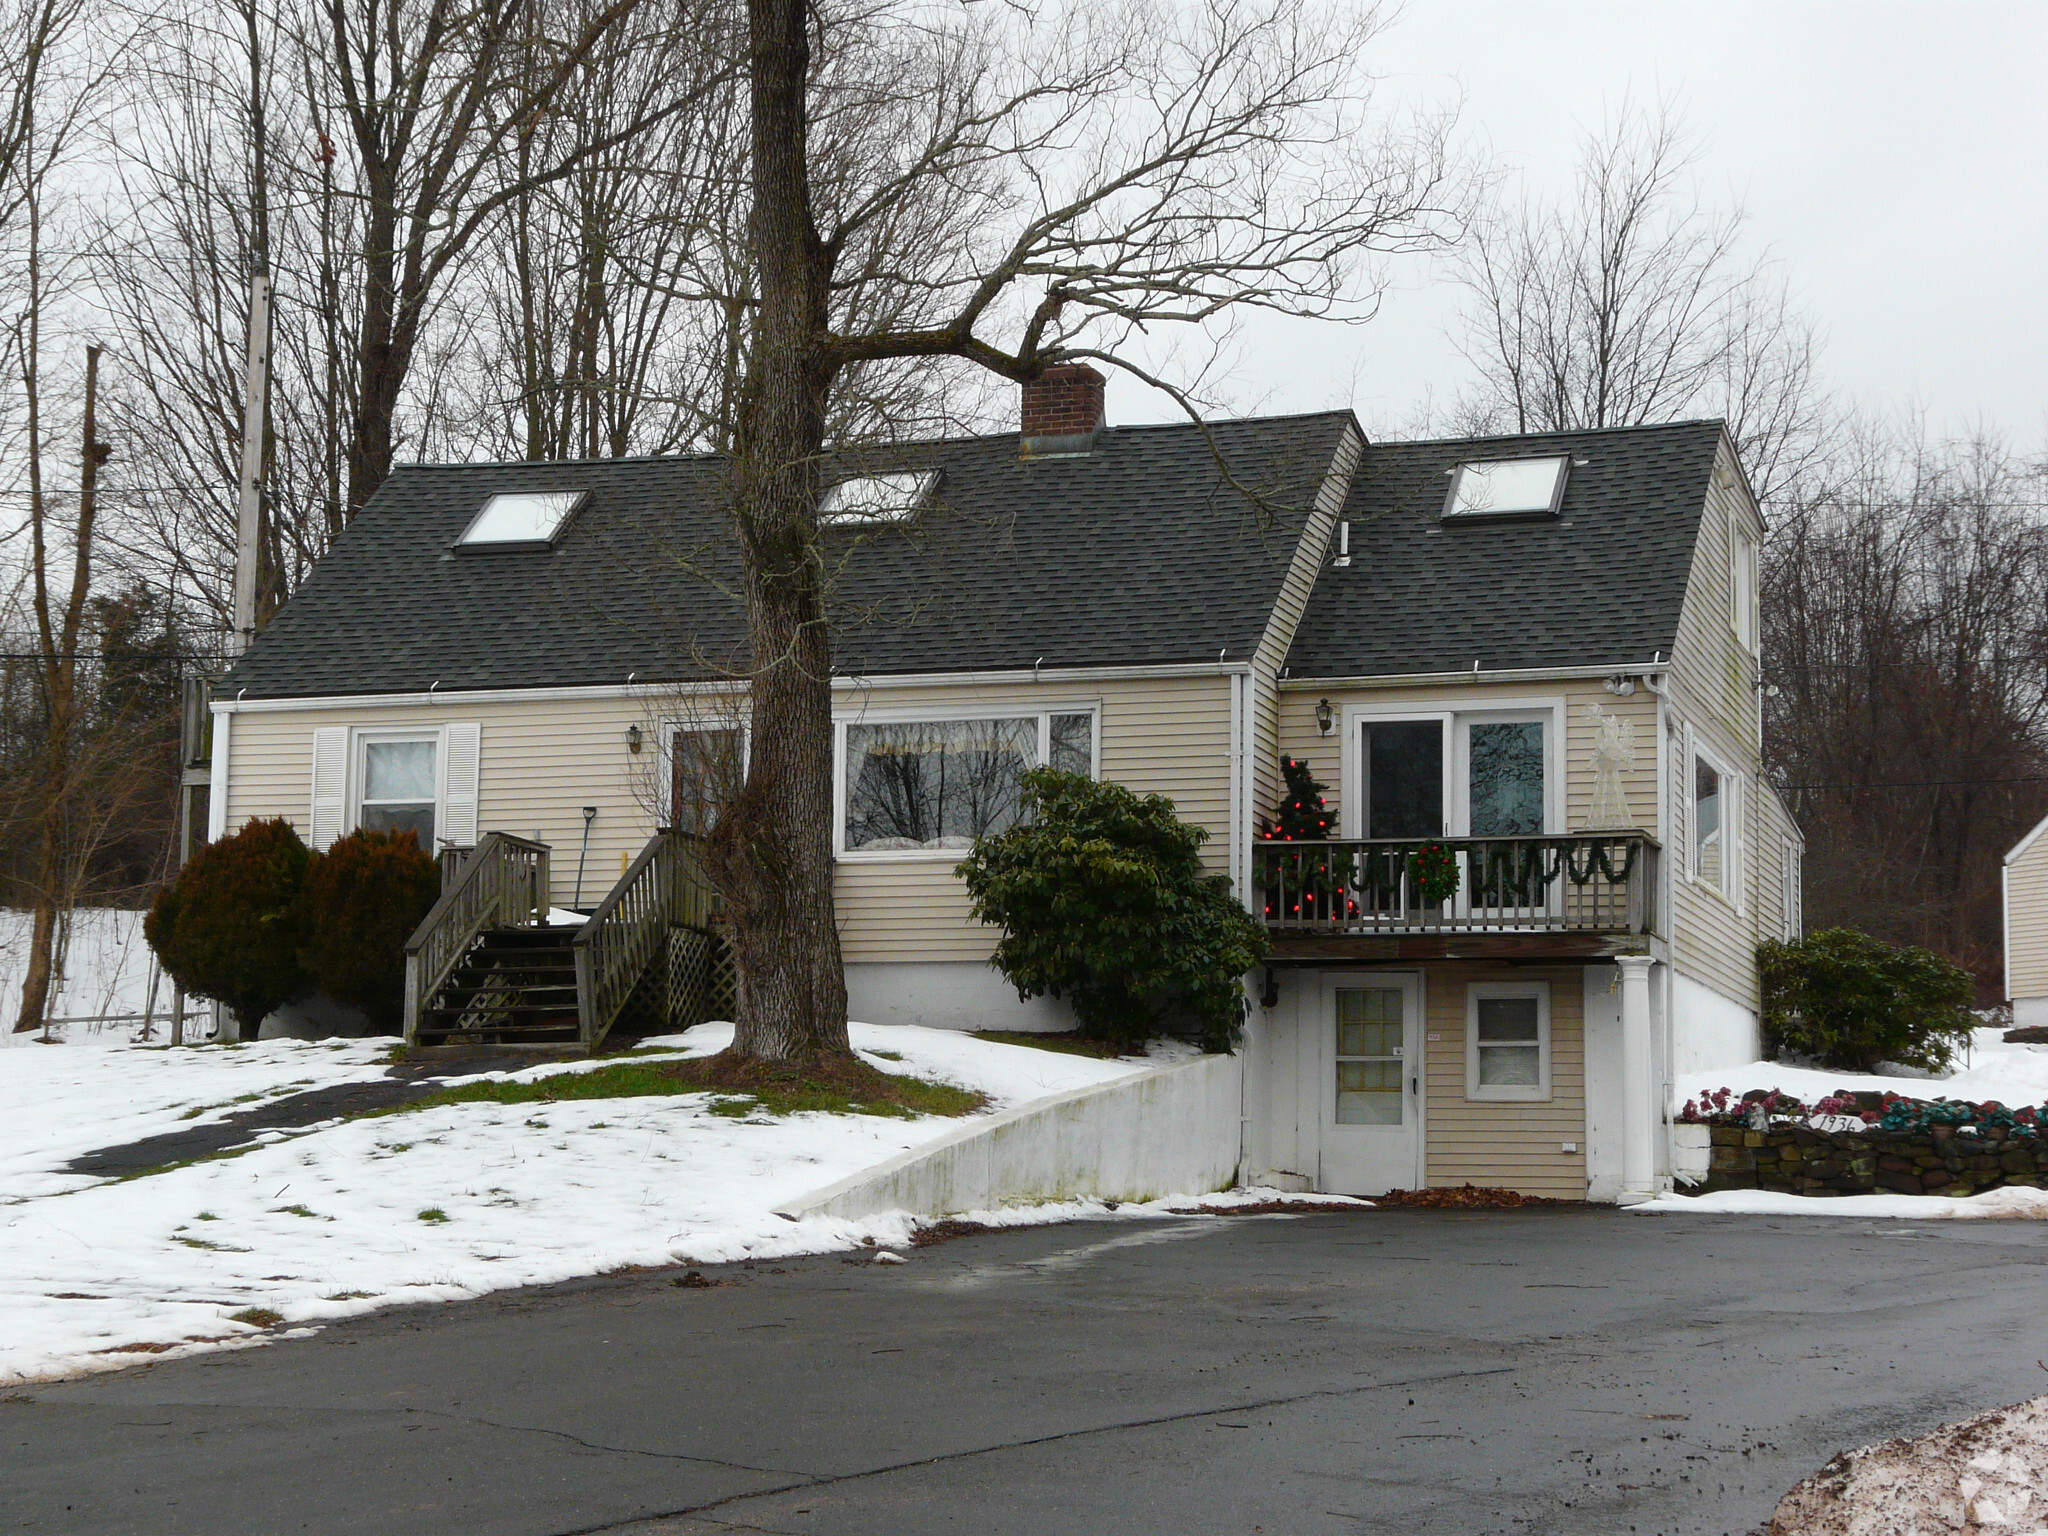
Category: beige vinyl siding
<point>2027,908</point>
<point>1299,737</point>
<point>1316,544</point>
<point>542,761</point>
<point>1712,685</point>
<point>539,764</point>
<point>1169,736</point>
<point>1713,675</point>
<point>1513,1145</point>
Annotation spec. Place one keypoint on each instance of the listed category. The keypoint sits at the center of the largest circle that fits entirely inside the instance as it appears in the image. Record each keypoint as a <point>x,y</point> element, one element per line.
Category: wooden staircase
<point>514,985</point>
<point>484,966</point>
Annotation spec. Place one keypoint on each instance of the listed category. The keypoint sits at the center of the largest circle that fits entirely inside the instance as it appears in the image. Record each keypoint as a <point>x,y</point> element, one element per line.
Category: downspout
<point>1240,878</point>
<point>1667,906</point>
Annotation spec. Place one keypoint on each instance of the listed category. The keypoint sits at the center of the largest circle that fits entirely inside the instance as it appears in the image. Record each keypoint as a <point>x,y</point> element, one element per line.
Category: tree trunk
<point>772,852</point>
<point>60,681</point>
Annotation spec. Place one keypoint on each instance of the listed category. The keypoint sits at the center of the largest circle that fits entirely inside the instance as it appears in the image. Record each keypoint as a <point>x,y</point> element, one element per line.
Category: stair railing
<point>629,929</point>
<point>502,883</point>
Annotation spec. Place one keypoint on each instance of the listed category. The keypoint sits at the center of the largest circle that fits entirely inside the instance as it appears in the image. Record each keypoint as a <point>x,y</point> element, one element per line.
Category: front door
<point>1371,1085</point>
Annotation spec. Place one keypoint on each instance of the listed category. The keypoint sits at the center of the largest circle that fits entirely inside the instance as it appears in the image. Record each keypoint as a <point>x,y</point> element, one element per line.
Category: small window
<point>1713,826</point>
<point>875,499</point>
<point>1744,591</point>
<point>1794,917</point>
<point>521,517</point>
<point>399,784</point>
<point>1507,488</point>
<point>1507,1041</point>
<point>937,785</point>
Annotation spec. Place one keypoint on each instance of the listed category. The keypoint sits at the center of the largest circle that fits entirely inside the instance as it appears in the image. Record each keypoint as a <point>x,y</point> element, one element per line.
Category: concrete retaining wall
<point>1166,1132</point>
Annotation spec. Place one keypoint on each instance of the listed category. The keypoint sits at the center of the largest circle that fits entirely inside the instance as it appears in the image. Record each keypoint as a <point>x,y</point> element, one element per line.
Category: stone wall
<point>1943,1160</point>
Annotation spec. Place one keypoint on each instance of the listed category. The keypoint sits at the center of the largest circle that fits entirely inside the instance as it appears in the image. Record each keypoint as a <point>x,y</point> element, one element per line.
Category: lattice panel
<point>700,979</point>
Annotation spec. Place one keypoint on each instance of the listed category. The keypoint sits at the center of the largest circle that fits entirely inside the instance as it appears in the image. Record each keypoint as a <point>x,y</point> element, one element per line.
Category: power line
<point>1925,783</point>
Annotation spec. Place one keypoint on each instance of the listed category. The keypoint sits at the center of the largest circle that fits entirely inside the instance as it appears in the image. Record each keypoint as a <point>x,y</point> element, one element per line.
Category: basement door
<point>1370,1137</point>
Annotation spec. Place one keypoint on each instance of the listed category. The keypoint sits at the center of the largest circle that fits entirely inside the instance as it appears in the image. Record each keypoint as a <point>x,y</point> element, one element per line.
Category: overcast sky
<point>1892,154</point>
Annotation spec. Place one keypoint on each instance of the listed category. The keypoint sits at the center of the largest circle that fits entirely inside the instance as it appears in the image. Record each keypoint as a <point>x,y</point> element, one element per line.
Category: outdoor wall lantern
<point>632,738</point>
<point>1325,723</point>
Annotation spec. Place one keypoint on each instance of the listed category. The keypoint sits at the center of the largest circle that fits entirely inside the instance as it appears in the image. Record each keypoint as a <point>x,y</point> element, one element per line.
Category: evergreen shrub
<point>230,926</point>
<point>364,897</point>
<point>1850,1001</point>
<point>1103,900</point>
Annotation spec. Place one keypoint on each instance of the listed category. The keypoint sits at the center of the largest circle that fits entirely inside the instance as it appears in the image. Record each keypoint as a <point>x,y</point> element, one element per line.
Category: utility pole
<point>255,424</point>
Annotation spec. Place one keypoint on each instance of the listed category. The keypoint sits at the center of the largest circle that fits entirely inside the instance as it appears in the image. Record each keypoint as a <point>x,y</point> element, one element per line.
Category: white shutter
<point>1683,808</point>
<point>1737,838</point>
<point>463,744</point>
<point>330,784</point>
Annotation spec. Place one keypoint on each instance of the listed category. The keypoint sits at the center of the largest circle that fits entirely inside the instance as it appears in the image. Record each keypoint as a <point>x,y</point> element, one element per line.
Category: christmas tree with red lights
<point>1299,884</point>
<point>1302,816</point>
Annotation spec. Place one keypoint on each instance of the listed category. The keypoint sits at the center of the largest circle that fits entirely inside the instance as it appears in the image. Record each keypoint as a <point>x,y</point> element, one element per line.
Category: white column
<point>1639,1096</point>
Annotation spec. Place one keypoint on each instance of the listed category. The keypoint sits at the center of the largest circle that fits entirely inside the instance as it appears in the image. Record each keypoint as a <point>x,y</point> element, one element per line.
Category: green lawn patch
<point>1068,1042</point>
<point>851,1087</point>
<point>433,1216</point>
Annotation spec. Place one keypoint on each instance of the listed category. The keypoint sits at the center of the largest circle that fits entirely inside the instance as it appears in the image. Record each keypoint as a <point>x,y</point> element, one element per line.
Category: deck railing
<point>500,883</point>
<point>1581,882</point>
<point>629,929</point>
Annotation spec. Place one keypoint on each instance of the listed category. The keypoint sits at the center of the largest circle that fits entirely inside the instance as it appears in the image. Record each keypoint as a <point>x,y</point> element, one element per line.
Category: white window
<point>1794,901</point>
<point>1507,488</point>
<point>935,785</point>
<point>1507,1040</point>
<point>398,781</point>
<point>523,517</point>
<point>1743,590</point>
<point>421,779</point>
<point>875,498</point>
<point>1716,826</point>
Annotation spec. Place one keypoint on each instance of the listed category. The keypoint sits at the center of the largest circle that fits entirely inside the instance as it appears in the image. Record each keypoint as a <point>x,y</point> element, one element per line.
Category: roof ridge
<point>1720,422</point>
<point>709,456</point>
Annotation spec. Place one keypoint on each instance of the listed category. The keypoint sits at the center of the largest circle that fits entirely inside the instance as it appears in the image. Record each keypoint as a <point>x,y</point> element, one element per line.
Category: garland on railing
<point>1312,880</point>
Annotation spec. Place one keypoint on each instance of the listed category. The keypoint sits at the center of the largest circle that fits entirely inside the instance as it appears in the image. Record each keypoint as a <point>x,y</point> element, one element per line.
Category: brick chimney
<point>1062,410</point>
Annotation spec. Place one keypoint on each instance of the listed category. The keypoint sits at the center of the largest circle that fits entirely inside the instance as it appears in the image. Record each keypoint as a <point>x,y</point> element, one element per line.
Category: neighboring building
<point>2023,891</point>
<point>1539,649</point>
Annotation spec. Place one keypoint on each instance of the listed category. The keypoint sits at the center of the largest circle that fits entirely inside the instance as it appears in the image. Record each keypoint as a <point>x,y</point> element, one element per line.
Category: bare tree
<point>440,107</point>
<point>1632,300</point>
<point>1104,170</point>
<point>1906,629</point>
<point>50,83</point>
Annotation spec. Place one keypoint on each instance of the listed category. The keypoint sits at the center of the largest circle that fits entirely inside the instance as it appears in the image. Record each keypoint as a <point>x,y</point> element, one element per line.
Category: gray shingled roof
<point>1140,553</point>
<point>1599,584</point>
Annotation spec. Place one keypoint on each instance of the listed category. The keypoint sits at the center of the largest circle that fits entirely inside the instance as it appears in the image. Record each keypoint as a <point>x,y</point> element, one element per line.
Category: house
<point>2023,898</point>
<point>1537,653</point>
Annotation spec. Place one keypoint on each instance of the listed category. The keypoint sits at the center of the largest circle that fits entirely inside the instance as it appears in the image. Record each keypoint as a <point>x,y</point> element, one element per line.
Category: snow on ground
<point>423,1205</point>
<point>1991,1069</point>
<point>2012,1074</point>
<point>1989,1473</point>
<point>2007,1203</point>
<point>108,968</point>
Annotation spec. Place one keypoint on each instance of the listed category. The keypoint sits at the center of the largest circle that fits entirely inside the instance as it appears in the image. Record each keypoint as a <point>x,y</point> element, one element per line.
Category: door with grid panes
<point>1371,1088</point>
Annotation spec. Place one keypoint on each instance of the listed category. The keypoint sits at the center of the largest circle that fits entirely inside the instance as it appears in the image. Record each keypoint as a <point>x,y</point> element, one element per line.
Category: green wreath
<point>1433,872</point>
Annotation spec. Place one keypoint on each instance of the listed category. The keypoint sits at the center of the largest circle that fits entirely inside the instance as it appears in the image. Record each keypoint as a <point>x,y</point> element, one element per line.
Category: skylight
<point>1506,487</point>
<point>876,498</point>
<point>522,517</point>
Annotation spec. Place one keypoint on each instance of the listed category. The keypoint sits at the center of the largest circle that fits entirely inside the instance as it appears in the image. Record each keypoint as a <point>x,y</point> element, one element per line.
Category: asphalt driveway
<point>1565,1370</point>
